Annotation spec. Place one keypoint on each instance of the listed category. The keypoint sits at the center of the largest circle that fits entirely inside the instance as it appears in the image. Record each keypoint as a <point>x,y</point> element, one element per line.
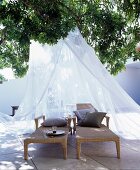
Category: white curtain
<point>69,72</point>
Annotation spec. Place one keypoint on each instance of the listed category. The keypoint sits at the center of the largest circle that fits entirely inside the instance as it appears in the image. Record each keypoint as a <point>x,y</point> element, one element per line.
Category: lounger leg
<point>118,148</point>
<point>25,150</point>
<point>78,149</point>
<point>64,145</point>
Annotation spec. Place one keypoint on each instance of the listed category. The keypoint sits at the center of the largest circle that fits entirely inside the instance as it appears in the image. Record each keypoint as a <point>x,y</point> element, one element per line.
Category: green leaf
<point>111,27</point>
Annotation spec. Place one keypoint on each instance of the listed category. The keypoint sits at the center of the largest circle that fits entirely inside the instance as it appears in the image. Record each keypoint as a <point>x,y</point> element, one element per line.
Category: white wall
<point>130,82</point>
<point>11,94</point>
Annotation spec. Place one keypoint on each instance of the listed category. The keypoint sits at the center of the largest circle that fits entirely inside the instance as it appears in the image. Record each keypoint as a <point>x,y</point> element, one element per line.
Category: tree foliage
<point>2,78</point>
<point>111,27</point>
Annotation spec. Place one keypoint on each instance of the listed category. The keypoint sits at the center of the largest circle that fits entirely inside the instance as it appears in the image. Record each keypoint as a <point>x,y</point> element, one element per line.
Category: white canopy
<point>69,72</point>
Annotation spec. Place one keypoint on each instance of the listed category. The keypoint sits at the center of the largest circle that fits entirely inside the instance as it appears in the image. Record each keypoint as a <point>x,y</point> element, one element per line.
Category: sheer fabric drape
<point>69,72</point>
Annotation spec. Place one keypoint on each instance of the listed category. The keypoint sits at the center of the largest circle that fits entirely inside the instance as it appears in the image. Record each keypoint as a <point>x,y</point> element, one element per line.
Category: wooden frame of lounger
<point>103,134</point>
<point>38,137</point>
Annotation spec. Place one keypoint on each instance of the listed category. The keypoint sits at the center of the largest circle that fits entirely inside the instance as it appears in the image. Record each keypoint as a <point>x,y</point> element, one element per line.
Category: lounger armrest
<point>107,121</point>
<point>37,120</point>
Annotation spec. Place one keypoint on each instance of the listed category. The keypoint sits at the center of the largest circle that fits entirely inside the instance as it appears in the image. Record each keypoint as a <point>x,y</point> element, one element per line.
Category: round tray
<point>58,132</point>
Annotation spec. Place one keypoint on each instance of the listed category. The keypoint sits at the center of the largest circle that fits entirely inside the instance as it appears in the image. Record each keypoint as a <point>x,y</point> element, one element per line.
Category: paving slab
<point>15,161</point>
<point>94,156</point>
<point>50,157</point>
<point>11,153</point>
<point>105,154</point>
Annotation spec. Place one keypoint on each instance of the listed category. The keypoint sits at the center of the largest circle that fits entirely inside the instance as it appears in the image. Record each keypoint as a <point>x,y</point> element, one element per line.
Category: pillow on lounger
<point>59,122</point>
<point>93,119</point>
<point>80,114</point>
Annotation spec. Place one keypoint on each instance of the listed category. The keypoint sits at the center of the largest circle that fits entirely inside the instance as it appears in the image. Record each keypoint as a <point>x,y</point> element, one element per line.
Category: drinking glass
<point>54,128</point>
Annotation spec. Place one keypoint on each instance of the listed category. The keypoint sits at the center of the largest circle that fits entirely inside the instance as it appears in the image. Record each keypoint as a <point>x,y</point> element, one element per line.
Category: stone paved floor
<point>95,156</point>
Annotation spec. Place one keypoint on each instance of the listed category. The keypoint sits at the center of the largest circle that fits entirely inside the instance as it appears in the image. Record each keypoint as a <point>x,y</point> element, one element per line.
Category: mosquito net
<point>69,72</point>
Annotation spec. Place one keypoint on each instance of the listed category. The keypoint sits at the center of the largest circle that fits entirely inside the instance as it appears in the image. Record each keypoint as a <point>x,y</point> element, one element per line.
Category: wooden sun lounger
<point>92,134</point>
<point>39,136</point>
